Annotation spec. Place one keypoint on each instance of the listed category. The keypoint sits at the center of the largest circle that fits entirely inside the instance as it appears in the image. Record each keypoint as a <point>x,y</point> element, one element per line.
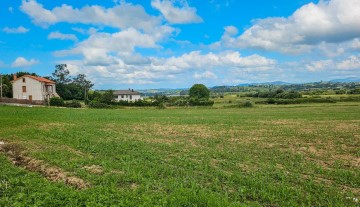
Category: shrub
<point>55,101</point>
<point>73,104</point>
<point>248,104</point>
<point>140,103</point>
<point>98,105</point>
<point>181,102</point>
<point>161,106</point>
<point>300,101</point>
<point>200,102</point>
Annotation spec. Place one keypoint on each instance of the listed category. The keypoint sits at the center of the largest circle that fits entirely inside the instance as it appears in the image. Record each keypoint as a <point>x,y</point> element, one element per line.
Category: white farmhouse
<point>33,88</point>
<point>127,95</point>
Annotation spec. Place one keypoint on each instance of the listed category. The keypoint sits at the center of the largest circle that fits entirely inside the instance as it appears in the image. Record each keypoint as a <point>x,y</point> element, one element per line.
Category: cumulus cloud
<point>229,59</point>
<point>123,16</point>
<point>205,75</point>
<point>330,21</point>
<point>349,63</point>
<point>133,68</point>
<point>17,30</point>
<point>355,44</point>
<point>101,44</point>
<point>61,36</point>
<point>88,31</point>
<point>318,65</point>
<point>22,62</point>
<point>2,64</point>
<point>176,15</point>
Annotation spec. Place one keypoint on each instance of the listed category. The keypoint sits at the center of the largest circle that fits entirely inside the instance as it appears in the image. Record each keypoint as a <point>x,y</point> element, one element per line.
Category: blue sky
<point>176,43</point>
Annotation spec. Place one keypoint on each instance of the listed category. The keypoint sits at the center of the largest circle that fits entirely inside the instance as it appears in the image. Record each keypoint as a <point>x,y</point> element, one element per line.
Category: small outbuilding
<point>127,95</point>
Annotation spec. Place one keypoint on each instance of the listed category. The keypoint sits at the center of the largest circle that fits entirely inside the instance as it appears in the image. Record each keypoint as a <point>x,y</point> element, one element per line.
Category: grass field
<point>293,155</point>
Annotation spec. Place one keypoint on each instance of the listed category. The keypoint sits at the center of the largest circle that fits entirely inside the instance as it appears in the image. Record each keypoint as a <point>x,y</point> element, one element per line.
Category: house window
<point>126,96</point>
<point>130,97</point>
<point>23,80</point>
<point>24,89</point>
<point>122,96</point>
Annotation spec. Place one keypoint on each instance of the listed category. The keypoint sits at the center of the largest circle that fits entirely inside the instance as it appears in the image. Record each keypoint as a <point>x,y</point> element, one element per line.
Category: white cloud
<point>319,65</point>
<point>356,44</point>
<point>2,64</point>
<point>22,62</point>
<point>230,59</point>
<point>102,44</point>
<point>89,31</point>
<point>176,15</point>
<point>61,36</point>
<point>205,75</point>
<point>18,30</point>
<point>231,30</point>
<point>132,68</point>
<point>121,16</point>
<point>328,21</point>
<point>349,63</point>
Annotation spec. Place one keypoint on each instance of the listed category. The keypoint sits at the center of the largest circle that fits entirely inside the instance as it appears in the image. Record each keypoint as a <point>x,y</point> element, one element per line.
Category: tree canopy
<point>199,91</point>
<point>71,88</point>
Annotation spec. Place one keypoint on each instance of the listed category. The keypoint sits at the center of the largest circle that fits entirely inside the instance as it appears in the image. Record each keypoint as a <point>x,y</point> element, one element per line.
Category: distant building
<point>33,88</point>
<point>127,95</point>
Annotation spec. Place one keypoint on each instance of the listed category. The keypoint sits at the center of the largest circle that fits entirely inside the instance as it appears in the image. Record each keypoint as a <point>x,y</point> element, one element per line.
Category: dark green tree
<point>61,74</point>
<point>199,91</point>
<point>71,88</point>
<point>85,85</point>
<point>107,97</point>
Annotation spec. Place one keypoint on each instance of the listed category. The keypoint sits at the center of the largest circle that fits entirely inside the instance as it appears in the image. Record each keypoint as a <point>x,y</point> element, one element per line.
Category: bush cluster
<point>135,103</point>
<point>73,104</point>
<point>55,101</point>
<point>200,102</point>
<point>297,101</point>
<point>98,105</point>
<point>281,94</point>
<point>247,104</point>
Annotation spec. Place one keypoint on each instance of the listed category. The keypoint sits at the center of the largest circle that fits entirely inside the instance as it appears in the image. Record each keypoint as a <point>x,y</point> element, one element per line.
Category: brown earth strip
<point>15,154</point>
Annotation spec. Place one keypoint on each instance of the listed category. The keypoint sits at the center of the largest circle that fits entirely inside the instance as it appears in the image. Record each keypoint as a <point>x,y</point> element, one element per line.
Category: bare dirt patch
<point>330,182</point>
<point>176,131</point>
<point>16,155</point>
<point>94,169</point>
<point>54,125</point>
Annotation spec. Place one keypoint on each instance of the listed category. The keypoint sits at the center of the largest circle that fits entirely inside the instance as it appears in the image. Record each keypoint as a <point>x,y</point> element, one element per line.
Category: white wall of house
<point>34,88</point>
<point>127,97</point>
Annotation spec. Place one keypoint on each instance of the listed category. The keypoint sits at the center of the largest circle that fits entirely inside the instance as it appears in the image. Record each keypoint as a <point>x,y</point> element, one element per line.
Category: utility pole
<point>85,99</point>
<point>1,86</point>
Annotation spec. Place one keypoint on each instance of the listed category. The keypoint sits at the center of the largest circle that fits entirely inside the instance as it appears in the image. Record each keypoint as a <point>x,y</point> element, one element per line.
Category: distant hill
<point>345,80</point>
<point>265,83</point>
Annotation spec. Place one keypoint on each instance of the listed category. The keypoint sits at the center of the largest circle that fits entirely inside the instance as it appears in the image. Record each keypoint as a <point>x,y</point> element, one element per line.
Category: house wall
<point>34,88</point>
<point>128,98</point>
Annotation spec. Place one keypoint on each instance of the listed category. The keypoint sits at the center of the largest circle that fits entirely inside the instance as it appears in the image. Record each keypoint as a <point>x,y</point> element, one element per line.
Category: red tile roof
<point>37,78</point>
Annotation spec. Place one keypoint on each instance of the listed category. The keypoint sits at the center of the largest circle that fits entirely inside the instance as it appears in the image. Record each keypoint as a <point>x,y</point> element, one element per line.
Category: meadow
<point>268,155</point>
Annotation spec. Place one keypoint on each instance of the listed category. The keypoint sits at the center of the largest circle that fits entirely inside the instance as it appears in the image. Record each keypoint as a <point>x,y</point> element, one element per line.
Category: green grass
<point>294,155</point>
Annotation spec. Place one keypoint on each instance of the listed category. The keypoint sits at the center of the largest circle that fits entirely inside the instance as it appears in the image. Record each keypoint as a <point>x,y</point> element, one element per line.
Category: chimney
<point>129,89</point>
<point>132,90</point>
<point>15,77</point>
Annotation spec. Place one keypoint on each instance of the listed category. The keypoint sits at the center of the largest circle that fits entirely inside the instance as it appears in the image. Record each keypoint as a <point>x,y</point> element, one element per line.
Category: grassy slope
<point>268,155</point>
